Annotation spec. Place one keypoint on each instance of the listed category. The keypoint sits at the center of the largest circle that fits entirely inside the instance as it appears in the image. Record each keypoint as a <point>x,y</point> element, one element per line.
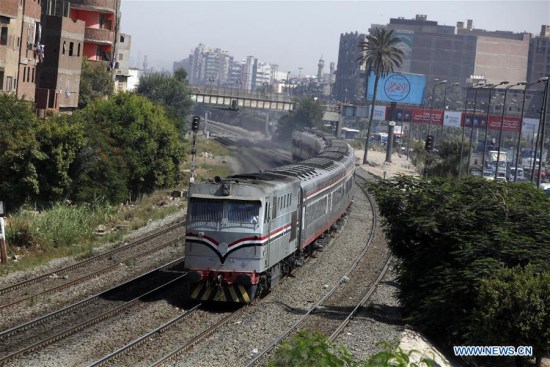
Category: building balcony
<point>104,6</point>
<point>99,36</point>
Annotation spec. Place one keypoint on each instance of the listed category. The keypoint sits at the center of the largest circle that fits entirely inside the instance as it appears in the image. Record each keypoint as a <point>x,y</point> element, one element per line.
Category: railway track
<point>334,311</point>
<point>34,289</point>
<point>49,329</point>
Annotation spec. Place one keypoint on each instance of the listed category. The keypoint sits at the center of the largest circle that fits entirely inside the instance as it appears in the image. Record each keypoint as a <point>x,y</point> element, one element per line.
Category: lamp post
<point>542,124</point>
<point>476,87</point>
<point>521,126</point>
<point>463,133</point>
<point>288,83</point>
<point>432,103</point>
<point>501,126</point>
<point>444,108</point>
<point>491,87</point>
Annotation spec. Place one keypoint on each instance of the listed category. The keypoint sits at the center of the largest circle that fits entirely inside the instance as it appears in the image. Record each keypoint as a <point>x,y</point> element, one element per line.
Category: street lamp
<point>432,103</point>
<point>521,125</point>
<point>444,108</point>
<point>491,87</point>
<point>288,83</point>
<point>542,124</point>
<point>502,125</point>
<point>475,87</point>
<point>463,133</point>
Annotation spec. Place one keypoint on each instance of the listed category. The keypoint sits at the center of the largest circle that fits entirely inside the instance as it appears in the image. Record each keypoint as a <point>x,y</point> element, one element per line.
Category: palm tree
<point>379,54</point>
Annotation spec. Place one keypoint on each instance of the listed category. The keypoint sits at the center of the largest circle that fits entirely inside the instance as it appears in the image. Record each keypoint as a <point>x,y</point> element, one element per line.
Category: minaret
<point>320,67</point>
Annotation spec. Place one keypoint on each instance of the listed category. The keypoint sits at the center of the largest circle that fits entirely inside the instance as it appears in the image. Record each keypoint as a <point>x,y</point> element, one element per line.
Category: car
<point>488,175</point>
<point>546,188</point>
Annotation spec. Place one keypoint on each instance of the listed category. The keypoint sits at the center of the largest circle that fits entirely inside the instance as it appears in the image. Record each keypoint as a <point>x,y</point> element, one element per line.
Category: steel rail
<point>92,259</point>
<point>316,306</point>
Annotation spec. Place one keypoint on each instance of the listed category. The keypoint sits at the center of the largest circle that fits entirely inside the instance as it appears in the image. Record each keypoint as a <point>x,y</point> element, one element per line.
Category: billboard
<point>423,116</point>
<point>452,118</point>
<point>398,87</point>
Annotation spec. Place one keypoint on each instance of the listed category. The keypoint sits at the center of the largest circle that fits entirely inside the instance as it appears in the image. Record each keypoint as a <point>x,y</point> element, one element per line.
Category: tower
<point>320,67</point>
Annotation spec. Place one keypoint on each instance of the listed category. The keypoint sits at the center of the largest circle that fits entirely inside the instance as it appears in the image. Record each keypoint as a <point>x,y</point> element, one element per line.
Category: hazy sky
<point>296,34</point>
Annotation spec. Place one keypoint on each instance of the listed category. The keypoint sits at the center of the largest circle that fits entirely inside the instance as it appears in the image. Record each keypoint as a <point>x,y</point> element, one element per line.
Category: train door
<point>267,226</point>
<point>300,210</point>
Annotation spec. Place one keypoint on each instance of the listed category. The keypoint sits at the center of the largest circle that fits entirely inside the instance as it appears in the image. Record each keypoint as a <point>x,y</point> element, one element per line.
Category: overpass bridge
<point>233,99</point>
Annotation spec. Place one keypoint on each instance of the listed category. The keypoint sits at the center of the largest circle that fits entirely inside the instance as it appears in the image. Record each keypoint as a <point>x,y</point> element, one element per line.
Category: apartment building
<point>348,85</point>
<point>452,53</point>
<point>122,64</point>
<point>20,38</point>
<point>539,55</point>
<point>101,18</point>
<point>10,33</point>
<point>61,64</point>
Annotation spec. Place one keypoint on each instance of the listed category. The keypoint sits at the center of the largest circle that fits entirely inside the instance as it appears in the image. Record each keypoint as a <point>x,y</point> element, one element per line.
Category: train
<point>246,232</point>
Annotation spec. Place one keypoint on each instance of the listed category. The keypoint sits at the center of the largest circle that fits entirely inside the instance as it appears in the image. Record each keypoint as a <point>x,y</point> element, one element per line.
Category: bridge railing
<point>238,93</point>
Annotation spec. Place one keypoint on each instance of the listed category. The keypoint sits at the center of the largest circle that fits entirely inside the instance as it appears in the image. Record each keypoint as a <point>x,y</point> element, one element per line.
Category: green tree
<point>171,92</point>
<point>60,137</point>
<point>379,54</point>
<point>450,235</point>
<point>514,309</point>
<point>446,162</point>
<point>308,113</point>
<point>20,152</point>
<point>132,140</point>
<point>96,82</point>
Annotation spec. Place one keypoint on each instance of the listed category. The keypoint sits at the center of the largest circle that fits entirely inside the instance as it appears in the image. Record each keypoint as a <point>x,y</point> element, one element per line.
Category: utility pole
<point>3,247</point>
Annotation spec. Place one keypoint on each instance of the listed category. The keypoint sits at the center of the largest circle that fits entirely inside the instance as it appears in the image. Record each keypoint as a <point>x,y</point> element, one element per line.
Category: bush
<point>314,349</point>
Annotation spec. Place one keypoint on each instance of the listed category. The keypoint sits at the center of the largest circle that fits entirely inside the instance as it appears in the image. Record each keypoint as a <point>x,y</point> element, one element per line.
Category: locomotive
<point>247,231</point>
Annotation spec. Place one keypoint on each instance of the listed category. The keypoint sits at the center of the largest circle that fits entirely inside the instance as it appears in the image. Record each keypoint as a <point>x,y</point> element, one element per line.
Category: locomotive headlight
<point>226,189</point>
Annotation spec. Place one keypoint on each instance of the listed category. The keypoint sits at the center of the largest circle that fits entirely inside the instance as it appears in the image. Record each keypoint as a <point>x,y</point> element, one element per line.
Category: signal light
<point>195,124</point>
<point>429,145</point>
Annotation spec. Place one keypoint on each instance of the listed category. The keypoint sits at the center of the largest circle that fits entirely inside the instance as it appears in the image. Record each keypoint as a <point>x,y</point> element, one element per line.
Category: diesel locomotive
<point>247,231</point>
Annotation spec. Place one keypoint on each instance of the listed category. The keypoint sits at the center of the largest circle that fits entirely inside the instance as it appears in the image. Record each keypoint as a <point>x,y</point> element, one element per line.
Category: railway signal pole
<point>3,247</point>
<point>194,128</point>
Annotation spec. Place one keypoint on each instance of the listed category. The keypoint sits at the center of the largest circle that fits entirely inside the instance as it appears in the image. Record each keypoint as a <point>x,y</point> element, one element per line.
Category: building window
<point>4,36</point>
<point>120,56</point>
<point>24,73</point>
<point>64,46</point>
<point>78,49</point>
<point>33,72</point>
<point>121,38</point>
<point>71,48</point>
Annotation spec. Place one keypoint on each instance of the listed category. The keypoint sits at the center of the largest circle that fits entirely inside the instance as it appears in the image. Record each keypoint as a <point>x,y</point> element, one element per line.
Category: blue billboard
<point>398,87</point>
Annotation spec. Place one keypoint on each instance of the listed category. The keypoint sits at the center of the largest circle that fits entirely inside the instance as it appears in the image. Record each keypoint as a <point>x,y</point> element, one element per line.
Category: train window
<point>205,210</point>
<point>243,211</point>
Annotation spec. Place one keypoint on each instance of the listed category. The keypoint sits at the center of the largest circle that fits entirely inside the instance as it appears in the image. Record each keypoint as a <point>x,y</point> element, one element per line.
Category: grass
<point>69,230</point>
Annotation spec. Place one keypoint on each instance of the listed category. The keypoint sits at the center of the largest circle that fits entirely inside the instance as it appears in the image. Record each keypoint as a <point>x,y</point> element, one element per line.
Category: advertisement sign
<point>509,123</point>
<point>479,120</point>
<point>398,87</point>
<point>423,116</point>
<point>530,126</point>
<point>379,112</point>
<point>452,118</point>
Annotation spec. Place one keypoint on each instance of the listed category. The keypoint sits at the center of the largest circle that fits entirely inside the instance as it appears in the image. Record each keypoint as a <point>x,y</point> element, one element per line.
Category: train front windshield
<point>230,211</point>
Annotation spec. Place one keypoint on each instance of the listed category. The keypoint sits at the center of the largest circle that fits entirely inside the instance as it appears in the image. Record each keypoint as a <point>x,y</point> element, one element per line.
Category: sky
<point>296,34</point>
